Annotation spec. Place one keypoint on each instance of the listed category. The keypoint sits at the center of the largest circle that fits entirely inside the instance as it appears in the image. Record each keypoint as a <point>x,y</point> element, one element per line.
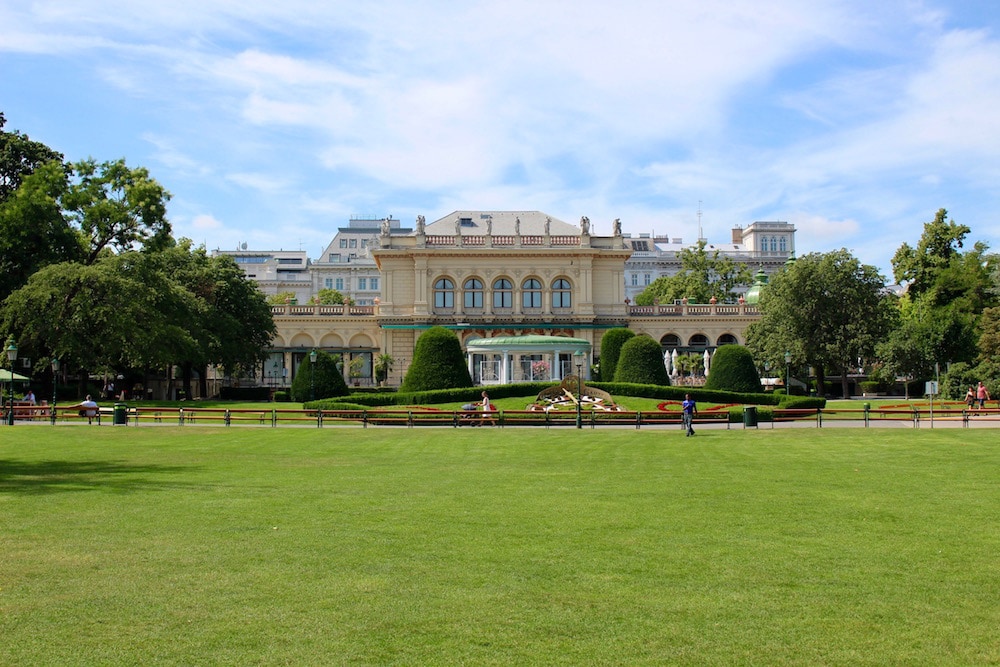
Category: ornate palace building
<point>487,275</point>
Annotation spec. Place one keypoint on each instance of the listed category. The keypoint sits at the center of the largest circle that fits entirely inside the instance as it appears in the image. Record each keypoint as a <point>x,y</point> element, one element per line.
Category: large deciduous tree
<point>947,289</point>
<point>99,317</point>
<point>117,207</point>
<point>19,157</point>
<point>940,242</point>
<point>828,310</point>
<point>33,231</point>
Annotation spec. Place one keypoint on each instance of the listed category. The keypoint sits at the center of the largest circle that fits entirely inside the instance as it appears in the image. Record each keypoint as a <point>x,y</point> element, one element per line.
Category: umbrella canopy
<point>5,376</point>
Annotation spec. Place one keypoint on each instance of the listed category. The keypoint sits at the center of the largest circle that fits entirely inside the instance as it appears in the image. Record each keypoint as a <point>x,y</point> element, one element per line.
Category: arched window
<point>531,293</point>
<point>473,288</point>
<point>727,339</point>
<point>562,295</point>
<point>670,340</point>
<point>503,293</point>
<point>783,244</point>
<point>444,293</point>
<point>698,340</point>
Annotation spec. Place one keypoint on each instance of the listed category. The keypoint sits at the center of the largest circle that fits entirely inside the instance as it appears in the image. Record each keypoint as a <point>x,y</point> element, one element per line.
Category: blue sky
<point>274,123</point>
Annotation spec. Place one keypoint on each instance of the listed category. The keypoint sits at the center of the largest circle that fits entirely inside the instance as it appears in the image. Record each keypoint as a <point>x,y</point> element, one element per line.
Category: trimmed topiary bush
<point>438,363</point>
<point>641,362</point>
<point>611,346</point>
<point>732,369</point>
<point>329,380</point>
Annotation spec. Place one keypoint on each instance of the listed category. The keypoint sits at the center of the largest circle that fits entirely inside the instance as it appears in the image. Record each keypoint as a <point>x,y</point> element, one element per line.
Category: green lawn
<point>183,546</point>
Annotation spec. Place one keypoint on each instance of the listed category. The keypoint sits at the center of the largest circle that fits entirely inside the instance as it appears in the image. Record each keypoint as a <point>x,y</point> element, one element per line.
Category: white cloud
<point>206,223</point>
<point>845,117</point>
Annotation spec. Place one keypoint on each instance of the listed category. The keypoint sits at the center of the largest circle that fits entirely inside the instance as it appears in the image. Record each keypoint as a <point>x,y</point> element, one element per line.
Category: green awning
<point>5,376</point>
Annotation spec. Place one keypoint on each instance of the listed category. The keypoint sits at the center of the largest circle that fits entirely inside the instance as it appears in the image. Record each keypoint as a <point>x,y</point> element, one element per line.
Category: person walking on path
<point>970,398</point>
<point>982,395</point>
<point>688,410</point>
<point>487,408</point>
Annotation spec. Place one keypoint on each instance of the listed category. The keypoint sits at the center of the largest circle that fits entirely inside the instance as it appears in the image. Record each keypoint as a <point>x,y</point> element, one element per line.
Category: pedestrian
<point>88,408</point>
<point>982,395</point>
<point>29,397</point>
<point>970,397</point>
<point>487,408</point>
<point>688,410</point>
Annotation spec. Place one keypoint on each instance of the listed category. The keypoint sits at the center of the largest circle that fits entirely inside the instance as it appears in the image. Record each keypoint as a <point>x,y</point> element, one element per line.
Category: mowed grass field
<point>258,546</point>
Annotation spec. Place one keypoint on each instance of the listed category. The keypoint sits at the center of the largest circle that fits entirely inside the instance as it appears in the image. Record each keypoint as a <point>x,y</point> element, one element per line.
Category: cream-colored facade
<point>488,274</point>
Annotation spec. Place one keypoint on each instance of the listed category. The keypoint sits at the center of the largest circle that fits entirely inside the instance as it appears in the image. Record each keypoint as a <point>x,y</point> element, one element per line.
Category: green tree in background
<point>19,157</point>
<point>33,231</point>
<point>703,275</point>
<point>329,297</point>
<point>116,207</point>
<point>828,310</point>
<point>281,298</point>
<point>89,271</point>
<point>947,290</point>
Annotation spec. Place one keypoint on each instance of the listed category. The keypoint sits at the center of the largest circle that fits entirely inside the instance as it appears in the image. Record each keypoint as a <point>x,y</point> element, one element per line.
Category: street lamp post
<point>788,373</point>
<point>579,389</point>
<point>55,381</point>
<point>11,357</point>
<point>312,375</point>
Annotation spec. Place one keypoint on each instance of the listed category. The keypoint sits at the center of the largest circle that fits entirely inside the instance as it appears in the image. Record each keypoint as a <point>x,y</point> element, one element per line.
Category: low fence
<point>122,415</point>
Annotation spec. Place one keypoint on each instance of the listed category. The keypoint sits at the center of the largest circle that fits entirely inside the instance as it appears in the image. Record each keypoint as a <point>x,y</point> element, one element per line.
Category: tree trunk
<point>186,379</point>
<point>820,381</point>
<point>843,383</point>
<point>203,380</point>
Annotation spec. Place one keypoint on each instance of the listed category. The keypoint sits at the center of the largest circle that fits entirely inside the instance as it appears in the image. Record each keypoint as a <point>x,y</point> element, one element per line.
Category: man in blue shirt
<point>688,411</point>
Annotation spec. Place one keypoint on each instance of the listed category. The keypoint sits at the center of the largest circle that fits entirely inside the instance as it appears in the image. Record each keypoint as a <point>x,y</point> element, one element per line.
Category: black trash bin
<point>120,415</point>
<point>750,416</point>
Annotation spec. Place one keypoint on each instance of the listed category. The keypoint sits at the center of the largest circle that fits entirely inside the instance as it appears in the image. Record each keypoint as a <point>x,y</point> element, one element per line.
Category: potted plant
<point>356,368</point>
<point>383,366</point>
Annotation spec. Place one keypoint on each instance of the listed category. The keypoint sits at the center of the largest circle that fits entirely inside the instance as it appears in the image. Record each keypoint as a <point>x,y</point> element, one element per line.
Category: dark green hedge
<point>328,381</point>
<point>641,362</point>
<point>733,370</point>
<point>611,346</point>
<point>677,393</point>
<point>438,363</point>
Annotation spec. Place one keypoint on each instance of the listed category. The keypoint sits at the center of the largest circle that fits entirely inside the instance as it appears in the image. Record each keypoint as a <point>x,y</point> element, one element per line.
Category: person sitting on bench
<point>88,408</point>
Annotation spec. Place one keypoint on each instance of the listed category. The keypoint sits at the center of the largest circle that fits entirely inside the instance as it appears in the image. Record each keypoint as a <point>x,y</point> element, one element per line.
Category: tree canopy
<point>91,272</point>
<point>828,310</point>
<point>947,291</point>
<point>19,157</point>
